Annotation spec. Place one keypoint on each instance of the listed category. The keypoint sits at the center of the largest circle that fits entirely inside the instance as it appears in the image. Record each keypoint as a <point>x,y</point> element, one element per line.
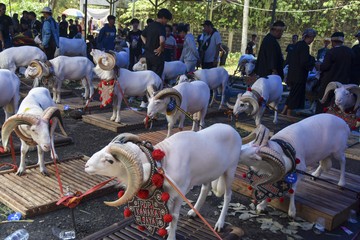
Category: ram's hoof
<point>20,173</point>
<point>45,173</point>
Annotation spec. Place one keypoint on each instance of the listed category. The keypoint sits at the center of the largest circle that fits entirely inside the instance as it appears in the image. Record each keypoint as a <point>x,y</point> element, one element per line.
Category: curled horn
<point>253,103</point>
<point>39,69</point>
<point>260,135</point>
<point>52,112</point>
<point>230,106</point>
<point>275,165</point>
<point>134,171</point>
<point>170,92</point>
<point>13,122</point>
<point>355,90</point>
<point>111,59</point>
<point>126,137</point>
<point>331,86</point>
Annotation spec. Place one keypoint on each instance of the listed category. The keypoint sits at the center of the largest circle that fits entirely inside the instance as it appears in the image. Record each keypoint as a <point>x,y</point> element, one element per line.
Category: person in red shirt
<point>179,41</point>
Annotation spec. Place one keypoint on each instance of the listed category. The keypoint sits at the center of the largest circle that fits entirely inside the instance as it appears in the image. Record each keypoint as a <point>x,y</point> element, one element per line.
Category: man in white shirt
<point>209,50</point>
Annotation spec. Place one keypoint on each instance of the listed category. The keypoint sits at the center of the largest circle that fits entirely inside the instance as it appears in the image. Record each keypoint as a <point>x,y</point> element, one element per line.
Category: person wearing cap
<point>50,33</point>
<point>322,51</point>
<point>153,38</point>
<point>270,59</point>
<point>107,35</point>
<point>300,63</point>
<point>356,66</point>
<point>134,39</point>
<point>189,54</point>
<point>210,47</point>
<point>336,67</point>
<point>63,26</point>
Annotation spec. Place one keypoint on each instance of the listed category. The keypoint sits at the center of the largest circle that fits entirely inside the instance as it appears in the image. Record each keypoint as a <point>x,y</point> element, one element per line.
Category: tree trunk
<point>245,26</point>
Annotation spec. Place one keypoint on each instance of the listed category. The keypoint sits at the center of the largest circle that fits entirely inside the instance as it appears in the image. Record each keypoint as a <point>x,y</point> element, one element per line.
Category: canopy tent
<point>99,14</point>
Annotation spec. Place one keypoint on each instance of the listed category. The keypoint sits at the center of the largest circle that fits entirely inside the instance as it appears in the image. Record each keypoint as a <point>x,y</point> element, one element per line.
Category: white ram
<point>68,47</point>
<point>122,58</point>
<point>61,68</point>
<point>10,96</point>
<point>172,70</point>
<point>253,102</point>
<point>215,78</point>
<point>15,57</point>
<point>132,84</point>
<point>184,163</point>
<point>34,123</point>
<point>347,96</point>
<point>190,97</point>
<point>319,138</point>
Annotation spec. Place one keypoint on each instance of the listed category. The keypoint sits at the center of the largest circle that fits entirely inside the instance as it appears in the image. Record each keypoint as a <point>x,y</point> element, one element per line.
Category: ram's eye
<point>110,161</point>
<point>242,105</point>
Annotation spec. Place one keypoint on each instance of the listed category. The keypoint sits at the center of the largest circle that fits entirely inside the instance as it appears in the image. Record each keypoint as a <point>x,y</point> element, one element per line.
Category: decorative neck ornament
<point>171,107</point>
<point>106,91</point>
<point>349,116</point>
<point>151,212</point>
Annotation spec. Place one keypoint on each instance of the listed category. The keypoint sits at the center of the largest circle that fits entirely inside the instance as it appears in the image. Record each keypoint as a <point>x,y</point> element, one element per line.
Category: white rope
<point>294,11</point>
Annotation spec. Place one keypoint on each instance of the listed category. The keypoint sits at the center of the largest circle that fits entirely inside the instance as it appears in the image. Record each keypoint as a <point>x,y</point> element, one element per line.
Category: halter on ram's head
<point>346,95</point>
<point>120,159</point>
<point>260,157</point>
<point>38,127</point>
<point>164,100</point>
<point>246,104</point>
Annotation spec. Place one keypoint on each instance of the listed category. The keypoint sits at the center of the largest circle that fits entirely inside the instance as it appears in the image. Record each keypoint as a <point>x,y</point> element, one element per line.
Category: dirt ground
<point>93,215</point>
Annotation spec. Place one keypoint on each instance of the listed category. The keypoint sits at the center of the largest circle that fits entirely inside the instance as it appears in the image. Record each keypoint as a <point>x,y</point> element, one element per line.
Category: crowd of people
<point>338,63</point>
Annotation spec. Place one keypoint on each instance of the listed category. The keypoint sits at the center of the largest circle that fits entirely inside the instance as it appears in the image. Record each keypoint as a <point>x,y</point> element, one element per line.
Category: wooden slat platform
<point>60,140</point>
<point>188,229</point>
<point>33,194</point>
<point>129,121</point>
<point>315,198</point>
<point>158,136</point>
<point>77,103</point>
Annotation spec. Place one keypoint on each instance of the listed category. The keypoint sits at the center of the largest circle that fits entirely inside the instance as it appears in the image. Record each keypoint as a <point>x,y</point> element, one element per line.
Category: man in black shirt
<point>6,28</point>
<point>290,48</point>
<point>35,25</point>
<point>24,22</point>
<point>355,73</point>
<point>72,29</point>
<point>270,59</point>
<point>134,39</point>
<point>153,38</point>
<point>63,27</point>
<point>250,47</point>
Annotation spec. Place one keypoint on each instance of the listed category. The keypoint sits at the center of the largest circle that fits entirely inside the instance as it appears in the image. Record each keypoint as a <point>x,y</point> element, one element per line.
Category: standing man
<point>322,51</point>
<point>355,73</point>
<point>6,28</point>
<point>90,26</point>
<point>24,22</point>
<point>209,51</point>
<point>134,38</point>
<point>291,47</point>
<point>35,25</point>
<point>251,46</point>
<point>189,54</point>
<point>107,35</point>
<point>63,26</point>
<point>337,66</point>
<point>50,33</point>
<point>270,59</point>
<point>153,38</point>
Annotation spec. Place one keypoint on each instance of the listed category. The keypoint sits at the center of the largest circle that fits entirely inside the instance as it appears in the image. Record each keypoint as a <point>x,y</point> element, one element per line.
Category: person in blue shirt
<point>49,33</point>
<point>107,35</point>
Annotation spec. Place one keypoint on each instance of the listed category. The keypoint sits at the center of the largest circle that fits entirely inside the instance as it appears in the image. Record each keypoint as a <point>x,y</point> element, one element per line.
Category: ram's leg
<point>342,160</point>
<point>86,86</point>
<point>261,206</point>
<point>259,116</point>
<point>57,84</point>
<point>23,151</point>
<point>195,124</point>
<point>114,107</point>
<point>202,116</point>
<point>222,97</point>
<point>275,106</point>
<point>181,121</point>
<point>213,97</point>
<point>118,107</point>
<point>41,162</point>
<point>170,126</point>
<point>205,188</point>
<point>175,212</point>
<point>292,207</point>
<point>324,165</point>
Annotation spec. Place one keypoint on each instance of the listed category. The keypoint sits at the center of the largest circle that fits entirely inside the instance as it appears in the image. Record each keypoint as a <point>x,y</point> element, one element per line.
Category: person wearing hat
<point>49,33</point>
<point>210,47</point>
<point>63,26</point>
<point>300,63</point>
<point>322,51</point>
<point>356,66</point>
<point>134,39</point>
<point>270,59</point>
<point>107,35</point>
<point>153,38</point>
<point>336,67</point>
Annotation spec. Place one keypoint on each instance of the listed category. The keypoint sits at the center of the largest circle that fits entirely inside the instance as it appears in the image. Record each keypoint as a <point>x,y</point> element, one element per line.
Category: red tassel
<point>100,84</point>
<point>168,218</point>
<point>249,89</point>
<point>297,161</point>
<point>250,188</point>
<point>50,122</point>
<point>162,232</point>
<point>291,191</point>
<point>325,109</point>
<point>261,99</point>
<point>157,180</point>
<point>143,194</point>
<point>353,128</point>
<point>127,212</point>
<point>121,193</point>
<point>101,98</point>
<point>158,154</point>
<point>165,196</point>
<point>100,92</point>
<point>244,175</point>
<point>268,199</point>
<point>141,228</point>
<point>281,199</point>
<point>101,106</point>
<point>111,94</point>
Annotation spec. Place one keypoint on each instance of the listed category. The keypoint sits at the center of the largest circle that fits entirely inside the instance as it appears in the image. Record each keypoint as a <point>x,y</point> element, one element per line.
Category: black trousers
<point>207,65</point>
<point>155,64</point>
<point>50,50</point>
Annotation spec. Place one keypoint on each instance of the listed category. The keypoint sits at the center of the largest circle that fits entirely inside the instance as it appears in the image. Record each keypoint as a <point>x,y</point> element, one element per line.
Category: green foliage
<point>19,6</point>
